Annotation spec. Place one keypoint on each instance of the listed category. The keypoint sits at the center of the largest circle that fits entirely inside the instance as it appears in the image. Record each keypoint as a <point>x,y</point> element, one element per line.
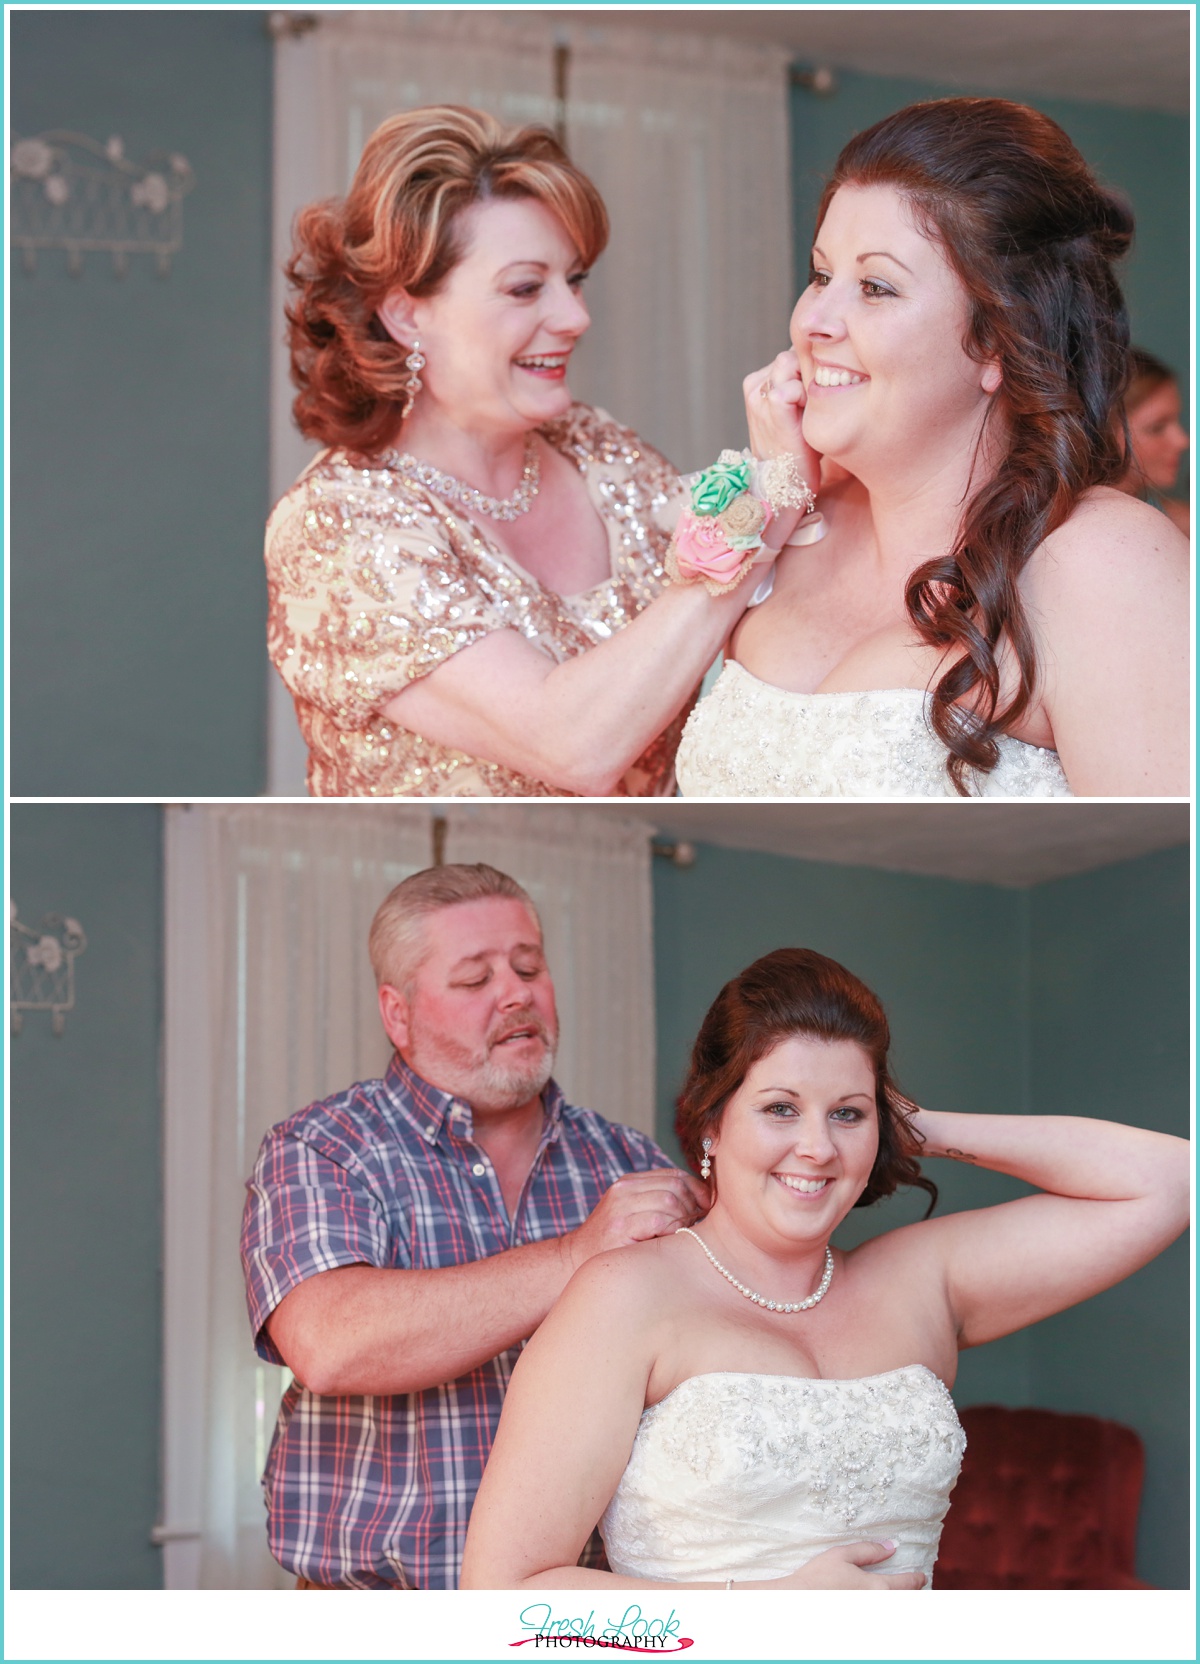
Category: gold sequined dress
<point>373,581</point>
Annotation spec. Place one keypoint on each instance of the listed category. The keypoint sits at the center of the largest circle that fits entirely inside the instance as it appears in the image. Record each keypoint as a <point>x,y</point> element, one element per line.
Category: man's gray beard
<point>485,1082</point>
<point>509,1086</point>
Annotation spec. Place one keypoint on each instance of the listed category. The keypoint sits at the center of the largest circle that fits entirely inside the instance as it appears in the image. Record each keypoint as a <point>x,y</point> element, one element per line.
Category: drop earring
<point>414,364</point>
<point>705,1159</point>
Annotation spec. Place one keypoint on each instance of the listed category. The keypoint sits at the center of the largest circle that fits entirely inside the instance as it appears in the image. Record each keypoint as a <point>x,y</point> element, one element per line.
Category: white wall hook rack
<point>72,193</point>
<point>42,967</point>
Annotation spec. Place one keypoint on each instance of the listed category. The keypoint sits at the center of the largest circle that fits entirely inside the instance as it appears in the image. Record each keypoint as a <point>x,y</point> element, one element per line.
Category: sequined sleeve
<point>373,582</point>
<point>371,585</point>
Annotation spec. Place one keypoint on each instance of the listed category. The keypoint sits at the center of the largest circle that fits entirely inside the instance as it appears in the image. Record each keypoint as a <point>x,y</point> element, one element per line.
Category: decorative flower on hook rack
<point>72,193</point>
<point>42,967</point>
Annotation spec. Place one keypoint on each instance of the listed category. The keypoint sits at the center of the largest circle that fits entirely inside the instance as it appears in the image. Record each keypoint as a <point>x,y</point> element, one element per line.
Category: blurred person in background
<point>1157,440</point>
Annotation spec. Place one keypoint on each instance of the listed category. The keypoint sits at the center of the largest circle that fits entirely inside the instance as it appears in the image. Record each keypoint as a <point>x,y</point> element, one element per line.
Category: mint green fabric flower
<point>716,487</point>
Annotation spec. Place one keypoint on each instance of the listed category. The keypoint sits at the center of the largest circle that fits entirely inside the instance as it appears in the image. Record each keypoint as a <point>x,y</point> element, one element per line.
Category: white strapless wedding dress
<point>750,1476</point>
<point>752,739</point>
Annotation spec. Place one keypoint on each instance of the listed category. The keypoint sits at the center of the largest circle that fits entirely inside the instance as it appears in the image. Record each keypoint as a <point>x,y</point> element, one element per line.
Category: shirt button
<point>479,1169</point>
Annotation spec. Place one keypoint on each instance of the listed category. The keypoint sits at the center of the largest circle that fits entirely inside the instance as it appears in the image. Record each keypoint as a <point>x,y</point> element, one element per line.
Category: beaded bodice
<point>752,739</point>
<point>374,580</point>
<point>753,1475</point>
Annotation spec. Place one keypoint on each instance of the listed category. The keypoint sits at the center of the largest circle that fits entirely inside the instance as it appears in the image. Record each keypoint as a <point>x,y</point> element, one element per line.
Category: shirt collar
<point>429,1109</point>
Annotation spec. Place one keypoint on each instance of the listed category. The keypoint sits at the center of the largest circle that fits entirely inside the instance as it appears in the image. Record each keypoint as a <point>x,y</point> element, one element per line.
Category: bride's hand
<point>775,399</point>
<point>842,1568</point>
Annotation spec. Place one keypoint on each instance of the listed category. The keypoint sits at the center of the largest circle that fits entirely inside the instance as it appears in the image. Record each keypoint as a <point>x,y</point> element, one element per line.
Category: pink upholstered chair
<point>1044,1501</point>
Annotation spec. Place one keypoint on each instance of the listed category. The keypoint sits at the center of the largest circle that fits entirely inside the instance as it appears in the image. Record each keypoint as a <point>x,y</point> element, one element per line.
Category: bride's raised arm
<point>1112,1197</point>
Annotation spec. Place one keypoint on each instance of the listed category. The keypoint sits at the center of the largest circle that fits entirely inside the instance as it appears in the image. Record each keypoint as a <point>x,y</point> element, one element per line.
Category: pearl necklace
<point>759,1299</point>
<point>457,491</point>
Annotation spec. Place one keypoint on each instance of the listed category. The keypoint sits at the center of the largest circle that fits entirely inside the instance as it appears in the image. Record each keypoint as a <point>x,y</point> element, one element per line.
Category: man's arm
<point>363,1329</point>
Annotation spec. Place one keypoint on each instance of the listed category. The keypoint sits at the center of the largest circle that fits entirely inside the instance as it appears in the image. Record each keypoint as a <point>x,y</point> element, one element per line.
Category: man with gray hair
<point>403,1239</point>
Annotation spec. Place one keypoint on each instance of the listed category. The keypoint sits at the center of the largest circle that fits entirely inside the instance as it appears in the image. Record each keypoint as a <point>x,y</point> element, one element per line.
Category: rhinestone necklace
<point>457,491</point>
<point>760,1299</point>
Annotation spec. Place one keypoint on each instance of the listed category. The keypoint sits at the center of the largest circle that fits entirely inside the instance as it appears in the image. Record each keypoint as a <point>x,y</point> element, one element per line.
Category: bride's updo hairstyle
<point>401,227</point>
<point>1032,235</point>
<point>795,991</point>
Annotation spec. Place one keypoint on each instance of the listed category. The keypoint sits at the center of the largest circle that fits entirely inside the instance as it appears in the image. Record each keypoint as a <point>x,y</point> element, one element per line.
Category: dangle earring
<point>705,1159</point>
<point>414,364</point>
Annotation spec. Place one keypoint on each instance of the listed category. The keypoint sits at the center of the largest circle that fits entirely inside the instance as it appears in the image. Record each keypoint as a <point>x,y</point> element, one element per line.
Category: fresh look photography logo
<point>633,1631</point>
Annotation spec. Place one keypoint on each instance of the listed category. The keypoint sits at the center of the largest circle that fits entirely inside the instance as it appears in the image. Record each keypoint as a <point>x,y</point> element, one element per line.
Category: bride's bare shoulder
<point>1109,543</point>
<point>637,1281</point>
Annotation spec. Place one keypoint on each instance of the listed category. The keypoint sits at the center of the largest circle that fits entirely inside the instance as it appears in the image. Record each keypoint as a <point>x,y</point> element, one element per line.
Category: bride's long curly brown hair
<point>1032,235</point>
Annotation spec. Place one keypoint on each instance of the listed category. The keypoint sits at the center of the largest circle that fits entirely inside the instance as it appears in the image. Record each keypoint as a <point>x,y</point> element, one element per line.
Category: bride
<point>743,1405</point>
<point>988,614</point>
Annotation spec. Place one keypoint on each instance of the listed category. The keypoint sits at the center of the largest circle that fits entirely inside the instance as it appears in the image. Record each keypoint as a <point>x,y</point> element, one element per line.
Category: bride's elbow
<point>1179,1183</point>
<point>1164,1197</point>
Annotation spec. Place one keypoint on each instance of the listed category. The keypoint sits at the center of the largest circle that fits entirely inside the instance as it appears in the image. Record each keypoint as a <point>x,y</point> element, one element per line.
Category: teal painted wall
<point>139,425</point>
<point>1067,998</point>
<point>86,1198</point>
<point>1109,1013</point>
<point>1143,153</point>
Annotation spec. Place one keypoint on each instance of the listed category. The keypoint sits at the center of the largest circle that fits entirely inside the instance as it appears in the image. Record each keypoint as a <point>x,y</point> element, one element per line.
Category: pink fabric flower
<point>701,550</point>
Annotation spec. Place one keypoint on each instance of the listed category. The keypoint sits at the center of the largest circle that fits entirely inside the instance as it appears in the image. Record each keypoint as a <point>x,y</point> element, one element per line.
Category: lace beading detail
<point>753,1475</point>
<point>373,581</point>
<point>751,739</point>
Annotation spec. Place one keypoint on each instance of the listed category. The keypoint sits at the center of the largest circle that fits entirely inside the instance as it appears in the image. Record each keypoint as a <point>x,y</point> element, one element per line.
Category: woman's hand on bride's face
<point>775,399</point>
<point>843,1568</point>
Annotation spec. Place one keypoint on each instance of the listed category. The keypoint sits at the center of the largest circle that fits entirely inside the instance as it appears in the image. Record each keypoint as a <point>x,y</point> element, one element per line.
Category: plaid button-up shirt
<point>375,1492</point>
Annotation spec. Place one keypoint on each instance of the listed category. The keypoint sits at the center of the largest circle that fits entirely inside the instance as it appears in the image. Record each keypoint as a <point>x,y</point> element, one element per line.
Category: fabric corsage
<point>719,538</point>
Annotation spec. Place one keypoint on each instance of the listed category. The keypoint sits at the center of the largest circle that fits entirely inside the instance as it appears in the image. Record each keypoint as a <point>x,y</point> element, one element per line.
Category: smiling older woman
<point>467,588</point>
<point>986,615</point>
<point>753,1408</point>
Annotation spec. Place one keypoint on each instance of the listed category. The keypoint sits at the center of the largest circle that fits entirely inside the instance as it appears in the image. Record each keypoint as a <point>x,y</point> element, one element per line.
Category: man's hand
<point>636,1207</point>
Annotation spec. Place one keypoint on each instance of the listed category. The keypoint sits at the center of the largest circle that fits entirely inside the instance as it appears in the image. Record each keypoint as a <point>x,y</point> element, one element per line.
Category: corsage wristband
<point>720,537</point>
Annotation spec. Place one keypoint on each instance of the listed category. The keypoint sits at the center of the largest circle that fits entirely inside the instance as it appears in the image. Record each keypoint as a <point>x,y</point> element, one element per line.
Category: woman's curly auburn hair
<point>400,226</point>
<point>1032,236</point>
<point>795,991</point>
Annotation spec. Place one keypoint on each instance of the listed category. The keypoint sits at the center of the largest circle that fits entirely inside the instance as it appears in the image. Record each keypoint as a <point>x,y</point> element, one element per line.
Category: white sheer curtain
<point>686,138</point>
<point>270,1004</point>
